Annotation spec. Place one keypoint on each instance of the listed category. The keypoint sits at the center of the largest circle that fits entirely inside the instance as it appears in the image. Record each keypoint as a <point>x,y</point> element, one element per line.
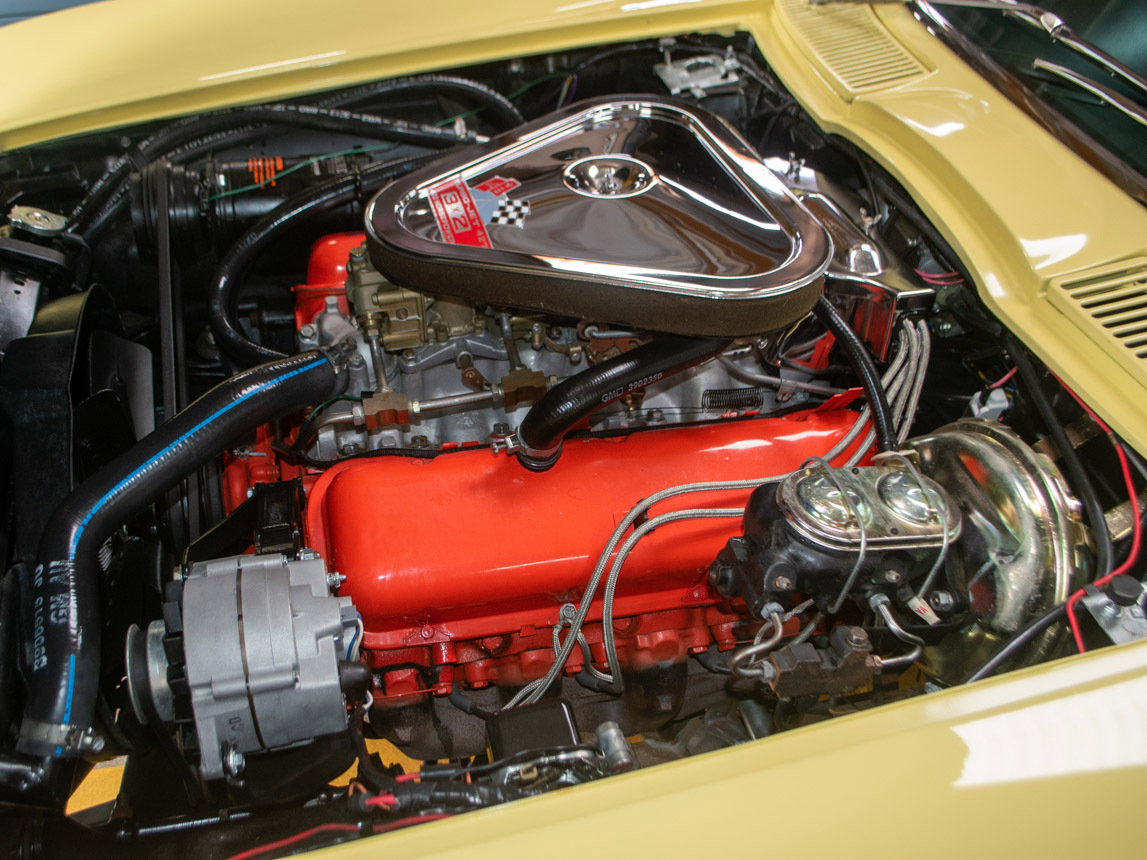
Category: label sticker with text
<point>463,213</point>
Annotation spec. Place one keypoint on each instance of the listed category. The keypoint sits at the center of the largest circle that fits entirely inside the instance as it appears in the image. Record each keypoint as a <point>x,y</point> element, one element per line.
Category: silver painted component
<point>1018,557</point>
<point>444,410</point>
<point>888,505</point>
<point>617,754</point>
<point>19,296</point>
<point>262,641</point>
<point>706,75</point>
<point>160,691</point>
<point>1124,620</point>
<point>38,222</point>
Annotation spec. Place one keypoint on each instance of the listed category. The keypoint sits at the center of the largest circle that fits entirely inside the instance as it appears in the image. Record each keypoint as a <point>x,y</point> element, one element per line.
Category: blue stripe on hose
<point>319,362</point>
<point>71,690</point>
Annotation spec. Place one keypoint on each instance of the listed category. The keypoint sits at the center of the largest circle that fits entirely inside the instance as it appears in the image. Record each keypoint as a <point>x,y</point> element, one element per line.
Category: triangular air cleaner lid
<point>652,213</point>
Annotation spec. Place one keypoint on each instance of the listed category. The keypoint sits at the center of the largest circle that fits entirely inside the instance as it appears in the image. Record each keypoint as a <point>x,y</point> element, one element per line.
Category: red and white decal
<point>457,215</point>
<point>498,185</point>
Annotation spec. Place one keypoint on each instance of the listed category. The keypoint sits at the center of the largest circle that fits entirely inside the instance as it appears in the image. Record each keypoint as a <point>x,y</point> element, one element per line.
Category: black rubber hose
<point>503,111</point>
<point>224,288</point>
<point>546,424</point>
<point>1077,474</point>
<point>113,184</point>
<point>864,367</point>
<point>118,199</point>
<point>62,600</point>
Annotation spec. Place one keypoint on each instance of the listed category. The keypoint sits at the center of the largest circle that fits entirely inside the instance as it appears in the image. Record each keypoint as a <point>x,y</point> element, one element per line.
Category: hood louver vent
<point>1111,305</point>
<point>852,45</point>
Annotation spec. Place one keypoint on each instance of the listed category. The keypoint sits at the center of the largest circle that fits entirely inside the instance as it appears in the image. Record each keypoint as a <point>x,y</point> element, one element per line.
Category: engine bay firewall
<point>648,212</point>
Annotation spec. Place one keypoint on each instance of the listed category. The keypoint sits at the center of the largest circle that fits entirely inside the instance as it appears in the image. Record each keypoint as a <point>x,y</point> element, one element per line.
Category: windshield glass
<point>1116,26</point>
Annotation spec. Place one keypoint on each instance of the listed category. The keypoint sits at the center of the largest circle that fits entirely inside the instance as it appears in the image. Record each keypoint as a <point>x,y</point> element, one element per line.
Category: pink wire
<point>1003,380</point>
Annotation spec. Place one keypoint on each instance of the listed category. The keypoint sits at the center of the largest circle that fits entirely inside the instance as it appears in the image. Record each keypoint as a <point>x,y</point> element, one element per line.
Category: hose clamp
<point>36,736</point>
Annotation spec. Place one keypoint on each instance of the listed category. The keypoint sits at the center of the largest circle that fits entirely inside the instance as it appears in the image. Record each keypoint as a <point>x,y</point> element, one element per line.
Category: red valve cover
<point>466,558</point>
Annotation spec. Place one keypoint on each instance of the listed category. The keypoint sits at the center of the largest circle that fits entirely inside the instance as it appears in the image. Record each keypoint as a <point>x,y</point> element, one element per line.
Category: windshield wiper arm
<point>1054,26</point>
<point>1104,94</point>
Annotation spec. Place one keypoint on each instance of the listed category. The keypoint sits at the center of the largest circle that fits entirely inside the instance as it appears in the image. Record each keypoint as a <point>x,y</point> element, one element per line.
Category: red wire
<point>943,279</point>
<point>1003,380</point>
<point>335,827</point>
<point>329,827</point>
<point>414,819</point>
<point>1136,526</point>
<point>924,274</point>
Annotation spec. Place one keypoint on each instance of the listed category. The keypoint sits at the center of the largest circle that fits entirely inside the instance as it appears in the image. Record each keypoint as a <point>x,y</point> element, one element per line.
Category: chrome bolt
<point>942,601</point>
<point>308,332</point>
<point>783,583</point>
<point>234,762</point>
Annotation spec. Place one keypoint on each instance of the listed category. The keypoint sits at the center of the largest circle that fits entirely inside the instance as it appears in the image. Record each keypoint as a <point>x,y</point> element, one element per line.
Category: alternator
<point>254,647</point>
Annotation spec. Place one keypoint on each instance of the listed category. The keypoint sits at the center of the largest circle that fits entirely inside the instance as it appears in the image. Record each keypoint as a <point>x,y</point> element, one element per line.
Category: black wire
<point>1076,472</point>
<point>1135,460</point>
<point>1019,641</point>
<point>865,369</point>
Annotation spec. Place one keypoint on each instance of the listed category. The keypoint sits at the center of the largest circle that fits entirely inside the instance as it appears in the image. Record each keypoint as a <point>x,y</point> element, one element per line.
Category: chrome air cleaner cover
<point>651,213</point>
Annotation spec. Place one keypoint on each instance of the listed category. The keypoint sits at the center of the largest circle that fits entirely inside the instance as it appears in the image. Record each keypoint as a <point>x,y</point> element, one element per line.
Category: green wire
<point>377,148</point>
<point>382,146</point>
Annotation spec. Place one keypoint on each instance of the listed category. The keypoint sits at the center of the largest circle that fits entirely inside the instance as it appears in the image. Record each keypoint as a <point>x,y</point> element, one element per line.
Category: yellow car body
<point>1049,761</point>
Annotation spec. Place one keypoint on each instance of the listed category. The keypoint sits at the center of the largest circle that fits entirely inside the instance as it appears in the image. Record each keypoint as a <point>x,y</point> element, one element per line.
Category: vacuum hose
<point>62,601</point>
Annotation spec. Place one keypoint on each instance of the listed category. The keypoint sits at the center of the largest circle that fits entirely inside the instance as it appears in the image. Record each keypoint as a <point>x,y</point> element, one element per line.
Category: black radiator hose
<point>546,424</point>
<point>62,602</point>
<point>865,368</point>
<point>234,266</point>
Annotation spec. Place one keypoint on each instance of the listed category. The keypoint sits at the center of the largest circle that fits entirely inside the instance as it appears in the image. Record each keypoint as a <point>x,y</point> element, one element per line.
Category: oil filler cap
<point>651,213</point>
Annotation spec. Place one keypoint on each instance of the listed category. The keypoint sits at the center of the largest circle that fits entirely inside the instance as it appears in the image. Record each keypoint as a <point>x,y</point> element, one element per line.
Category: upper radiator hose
<point>62,603</point>
<point>547,423</point>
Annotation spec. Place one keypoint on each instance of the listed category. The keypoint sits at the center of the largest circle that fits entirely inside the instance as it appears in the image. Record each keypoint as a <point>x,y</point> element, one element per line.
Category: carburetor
<point>829,532</point>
